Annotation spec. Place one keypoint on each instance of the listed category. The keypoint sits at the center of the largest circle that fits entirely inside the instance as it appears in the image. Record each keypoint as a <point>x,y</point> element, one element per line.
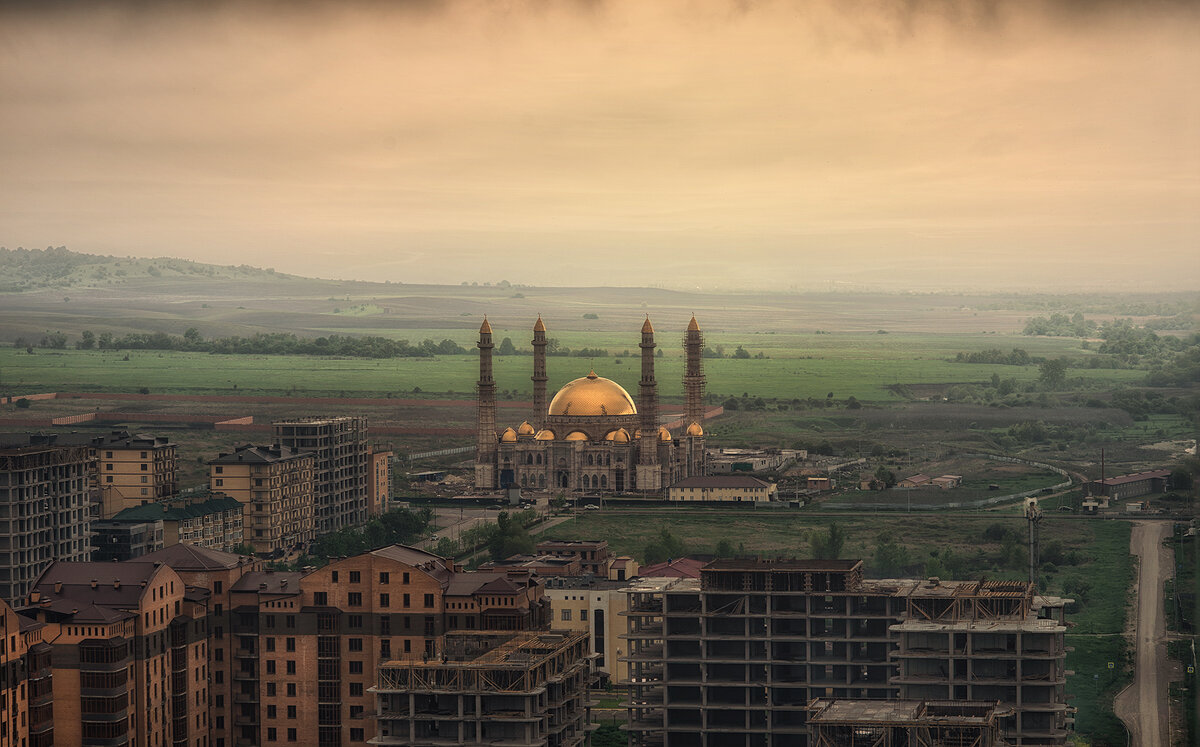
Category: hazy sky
<point>787,143</point>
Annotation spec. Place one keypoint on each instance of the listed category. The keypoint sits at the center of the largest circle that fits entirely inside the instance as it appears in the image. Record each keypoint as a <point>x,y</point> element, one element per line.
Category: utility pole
<point>1033,514</point>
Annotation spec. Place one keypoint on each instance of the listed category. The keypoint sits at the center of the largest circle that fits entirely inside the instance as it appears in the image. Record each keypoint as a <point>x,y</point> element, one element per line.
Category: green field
<point>853,374</point>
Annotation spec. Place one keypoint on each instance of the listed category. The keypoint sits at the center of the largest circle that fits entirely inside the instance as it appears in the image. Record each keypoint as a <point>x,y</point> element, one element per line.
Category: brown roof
<point>269,582</point>
<point>1136,477</point>
<point>678,568</point>
<point>118,585</point>
<point>185,557</point>
<point>722,481</point>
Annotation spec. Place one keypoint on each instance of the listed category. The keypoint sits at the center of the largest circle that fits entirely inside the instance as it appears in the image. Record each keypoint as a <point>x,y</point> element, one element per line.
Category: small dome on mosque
<point>619,436</point>
<point>485,328</point>
<point>647,327</point>
<point>544,434</point>
<point>508,436</point>
<point>539,325</point>
<point>693,326</point>
<point>525,429</point>
<point>663,434</point>
<point>592,396</point>
<point>576,436</point>
<point>695,430</point>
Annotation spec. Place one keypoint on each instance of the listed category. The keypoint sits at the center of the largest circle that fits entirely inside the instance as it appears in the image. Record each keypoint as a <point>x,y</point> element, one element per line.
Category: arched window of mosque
<point>541,481</point>
<point>539,458</point>
<point>590,462</point>
<point>604,481</point>
<point>608,460</point>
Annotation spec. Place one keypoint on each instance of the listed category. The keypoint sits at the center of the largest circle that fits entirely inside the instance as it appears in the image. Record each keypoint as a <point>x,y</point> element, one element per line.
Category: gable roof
<point>722,481</point>
<point>677,568</point>
<point>177,511</point>
<point>185,557</point>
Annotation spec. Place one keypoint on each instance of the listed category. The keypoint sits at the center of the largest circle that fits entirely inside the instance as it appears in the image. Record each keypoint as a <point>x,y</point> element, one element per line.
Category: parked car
<point>591,507</point>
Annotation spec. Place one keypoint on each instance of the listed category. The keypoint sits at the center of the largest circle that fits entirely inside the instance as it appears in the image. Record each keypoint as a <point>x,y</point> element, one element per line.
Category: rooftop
<point>722,481</point>
<point>1136,477</point>
<point>185,557</point>
<point>882,712</point>
<point>177,510</point>
<point>250,454</point>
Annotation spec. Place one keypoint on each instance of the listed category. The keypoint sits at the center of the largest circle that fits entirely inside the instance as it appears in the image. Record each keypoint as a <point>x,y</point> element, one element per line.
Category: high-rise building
<point>339,446</point>
<point>26,689</point>
<point>275,486</point>
<point>45,510</point>
<point>736,656</point>
<point>130,662</point>
<point>133,470</point>
<point>379,481</point>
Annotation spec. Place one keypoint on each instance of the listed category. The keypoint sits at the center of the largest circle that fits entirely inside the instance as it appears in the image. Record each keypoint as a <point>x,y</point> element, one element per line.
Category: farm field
<point>849,375</point>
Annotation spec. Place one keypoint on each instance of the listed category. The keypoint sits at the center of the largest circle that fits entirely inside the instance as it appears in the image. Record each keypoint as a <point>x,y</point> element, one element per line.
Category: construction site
<point>737,656</point>
<point>490,687</point>
<point>904,723</point>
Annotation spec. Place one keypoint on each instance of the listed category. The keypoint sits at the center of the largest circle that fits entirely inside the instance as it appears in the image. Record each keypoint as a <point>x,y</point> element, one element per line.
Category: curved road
<point>1142,705</point>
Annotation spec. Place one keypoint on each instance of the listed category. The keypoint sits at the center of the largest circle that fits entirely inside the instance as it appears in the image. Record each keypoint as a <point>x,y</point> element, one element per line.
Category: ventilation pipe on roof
<point>58,587</point>
<point>95,583</point>
<point>116,583</point>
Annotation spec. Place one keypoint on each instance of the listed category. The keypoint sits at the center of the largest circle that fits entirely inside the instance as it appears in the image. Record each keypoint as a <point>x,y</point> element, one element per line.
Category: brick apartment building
<point>129,659</point>
<point>275,485</point>
<point>339,446</point>
<point>133,470</point>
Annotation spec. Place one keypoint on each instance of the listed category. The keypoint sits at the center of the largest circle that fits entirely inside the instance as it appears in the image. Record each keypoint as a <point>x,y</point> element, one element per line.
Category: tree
<point>891,559</point>
<point>1053,372</point>
<point>87,340</point>
<point>885,476</point>
<point>741,353</point>
<point>664,547</point>
<point>507,347</point>
<point>828,545</point>
<point>724,549</point>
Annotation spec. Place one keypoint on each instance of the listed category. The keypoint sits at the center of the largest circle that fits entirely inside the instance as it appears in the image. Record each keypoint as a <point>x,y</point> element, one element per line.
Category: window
<point>385,600</point>
<point>270,734</point>
<point>291,666</point>
<point>356,735</point>
<point>219,482</point>
<point>355,577</point>
<point>108,467</point>
<point>356,711</point>
<point>291,711</point>
<point>270,644</point>
<point>428,601</point>
<point>405,578</point>
<point>356,667</point>
<point>354,644</point>
<point>145,467</point>
<point>291,689</point>
<point>334,575</point>
<point>109,478</point>
<point>583,615</point>
<point>289,644</point>
<point>407,646</point>
<point>270,689</point>
<point>270,711</point>
<point>356,689</point>
<point>384,577</point>
<point>217,586</point>
<point>270,666</point>
<point>321,598</point>
<point>354,621</point>
<point>354,599</point>
<point>291,735</point>
<point>566,615</point>
<point>407,601</point>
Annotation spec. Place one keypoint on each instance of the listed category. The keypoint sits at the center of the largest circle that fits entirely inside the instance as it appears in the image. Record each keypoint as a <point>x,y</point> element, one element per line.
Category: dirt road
<point>1143,705</point>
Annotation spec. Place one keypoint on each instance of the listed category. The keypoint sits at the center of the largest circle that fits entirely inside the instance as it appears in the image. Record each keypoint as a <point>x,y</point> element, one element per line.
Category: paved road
<point>1143,706</point>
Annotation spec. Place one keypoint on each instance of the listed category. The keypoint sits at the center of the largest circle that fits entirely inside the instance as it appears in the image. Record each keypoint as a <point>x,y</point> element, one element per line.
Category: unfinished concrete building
<point>340,448</point>
<point>45,510</point>
<point>904,723</point>
<point>736,656</point>
<point>490,687</point>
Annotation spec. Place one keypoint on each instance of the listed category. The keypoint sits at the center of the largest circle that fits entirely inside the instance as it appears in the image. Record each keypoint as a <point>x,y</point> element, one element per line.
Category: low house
<point>728,488</point>
<point>945,482</point>
<point>1129,486</point>
<point>916,481</point>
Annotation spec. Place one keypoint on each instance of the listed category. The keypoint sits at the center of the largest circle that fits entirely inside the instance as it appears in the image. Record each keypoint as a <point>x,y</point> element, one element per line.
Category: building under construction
<point>516,689</point>
<point>737,656</point>
<point>904,723</point>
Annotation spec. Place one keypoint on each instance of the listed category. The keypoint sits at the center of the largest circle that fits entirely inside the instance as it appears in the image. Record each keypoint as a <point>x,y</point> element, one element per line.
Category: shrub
<point>23,403</point>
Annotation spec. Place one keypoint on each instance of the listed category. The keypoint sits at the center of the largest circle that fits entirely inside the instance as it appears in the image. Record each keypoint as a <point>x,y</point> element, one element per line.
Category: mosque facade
<point>592,436</point>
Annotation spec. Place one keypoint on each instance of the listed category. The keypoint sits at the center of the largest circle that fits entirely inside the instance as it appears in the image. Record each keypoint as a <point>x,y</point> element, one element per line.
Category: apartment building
<point>379,481</point>
<point>211,520</point>
<point>45,509</point>
<point>736,656</point>
<point>133,470</point>
<point>723,488</point>
<point>514,689</point>
<point>593,555</point>
<point>339,446</point>
<point>595,607</point>
<point>130,659</point>
<point>892,723</point>
<point>114,540</point>
<point>275,486</point>
<point>26,693</point>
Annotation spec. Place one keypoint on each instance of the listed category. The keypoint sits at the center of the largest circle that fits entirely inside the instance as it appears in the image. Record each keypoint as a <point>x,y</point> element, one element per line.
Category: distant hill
<point>59,267</point>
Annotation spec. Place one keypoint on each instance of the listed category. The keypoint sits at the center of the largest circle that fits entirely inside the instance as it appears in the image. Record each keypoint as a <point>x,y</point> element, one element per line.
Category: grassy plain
<point>846,375</point>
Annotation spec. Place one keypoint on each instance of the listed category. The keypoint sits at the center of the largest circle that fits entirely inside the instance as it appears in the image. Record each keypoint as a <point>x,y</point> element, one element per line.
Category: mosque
<point>592,436</point>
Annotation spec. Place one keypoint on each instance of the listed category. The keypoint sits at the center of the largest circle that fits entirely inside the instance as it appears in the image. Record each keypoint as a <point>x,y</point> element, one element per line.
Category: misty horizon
<point>726,146</point>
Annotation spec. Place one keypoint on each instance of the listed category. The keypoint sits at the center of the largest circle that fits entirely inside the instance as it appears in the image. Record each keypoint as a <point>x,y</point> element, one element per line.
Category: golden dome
<point>525,429</point>
<point>508,436</point>
<point>592,396</point>
<point>619,436</point>
<point>693,326</point>
<point>544,434</point>
<point>576,436</point>
<point>647,328</point>
<point>485,328</point>
<point>695,430</point>
<point>664,434</point>
<point>539,326</point>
